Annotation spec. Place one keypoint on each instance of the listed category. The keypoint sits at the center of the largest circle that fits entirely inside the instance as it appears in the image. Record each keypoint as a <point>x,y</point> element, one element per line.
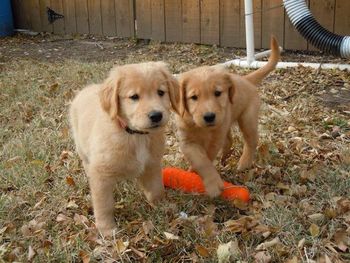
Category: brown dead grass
<point>300,184</point>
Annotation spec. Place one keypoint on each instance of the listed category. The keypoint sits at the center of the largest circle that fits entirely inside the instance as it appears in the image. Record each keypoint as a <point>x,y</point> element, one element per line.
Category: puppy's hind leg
<point>248,124</point>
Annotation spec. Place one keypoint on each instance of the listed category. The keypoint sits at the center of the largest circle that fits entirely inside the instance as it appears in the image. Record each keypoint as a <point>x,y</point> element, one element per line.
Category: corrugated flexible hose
<point>302,19</point>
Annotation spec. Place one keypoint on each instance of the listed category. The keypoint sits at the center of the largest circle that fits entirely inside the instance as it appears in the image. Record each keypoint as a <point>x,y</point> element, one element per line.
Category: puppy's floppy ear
<point>173,86</point>
<point>109,95</point>
<point>183,108</point>
<point>230,86</point>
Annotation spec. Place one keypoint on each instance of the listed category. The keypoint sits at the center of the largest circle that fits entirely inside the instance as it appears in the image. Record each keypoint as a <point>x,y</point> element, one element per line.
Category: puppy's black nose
<point>155,116</point>
<point>209,117</point>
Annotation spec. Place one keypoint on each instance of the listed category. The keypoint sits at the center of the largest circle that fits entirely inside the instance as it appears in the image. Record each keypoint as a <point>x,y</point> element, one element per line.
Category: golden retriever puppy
<point>118,128</point>
<point>211,100</point>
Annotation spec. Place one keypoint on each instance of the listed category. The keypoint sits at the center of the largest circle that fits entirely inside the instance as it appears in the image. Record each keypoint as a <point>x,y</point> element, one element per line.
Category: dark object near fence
<point>6,22</point>
<point>52,16</point>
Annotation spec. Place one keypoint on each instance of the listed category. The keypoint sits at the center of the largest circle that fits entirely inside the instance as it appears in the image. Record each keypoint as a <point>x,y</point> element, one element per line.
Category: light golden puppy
<point>211,100</point>
<point>118,128</point>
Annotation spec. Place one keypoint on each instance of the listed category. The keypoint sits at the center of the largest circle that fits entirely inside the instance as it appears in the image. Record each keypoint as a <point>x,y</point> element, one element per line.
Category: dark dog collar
<point>131,131</point>
<point>123,124</point>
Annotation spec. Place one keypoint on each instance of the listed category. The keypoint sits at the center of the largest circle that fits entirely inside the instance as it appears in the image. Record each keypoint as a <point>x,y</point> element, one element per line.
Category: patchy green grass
<point>299,185</point>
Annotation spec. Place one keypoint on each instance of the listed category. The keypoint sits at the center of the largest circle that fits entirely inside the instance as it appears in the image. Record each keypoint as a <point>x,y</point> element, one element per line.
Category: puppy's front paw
<point>106,228</point>
<point>244,164</point>
<point>214,186</point>
<point>155,198</point>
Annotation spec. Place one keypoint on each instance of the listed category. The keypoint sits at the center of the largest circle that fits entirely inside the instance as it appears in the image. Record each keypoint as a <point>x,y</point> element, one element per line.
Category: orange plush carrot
<point>192,183</point>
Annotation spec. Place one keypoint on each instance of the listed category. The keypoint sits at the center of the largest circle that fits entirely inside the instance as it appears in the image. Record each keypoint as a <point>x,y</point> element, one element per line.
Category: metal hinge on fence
<point>52,16</point>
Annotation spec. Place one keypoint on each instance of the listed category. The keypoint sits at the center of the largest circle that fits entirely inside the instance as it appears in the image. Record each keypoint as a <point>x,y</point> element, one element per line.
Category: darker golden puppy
<point>211,100</point>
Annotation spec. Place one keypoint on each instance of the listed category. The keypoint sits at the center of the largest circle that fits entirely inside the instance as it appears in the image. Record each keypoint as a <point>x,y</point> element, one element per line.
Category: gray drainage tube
<point>311,30</point>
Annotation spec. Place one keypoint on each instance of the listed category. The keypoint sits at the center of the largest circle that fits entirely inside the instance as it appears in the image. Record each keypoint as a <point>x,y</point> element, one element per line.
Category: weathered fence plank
<point>35,15</point>
<point>82,16</point>
<point>342,17</point>
<point>210,23</point>
<point>191,32</point>
<point>272,22</point>
<point>58,25</point>
<point>173,20</point>
<point>95,19</point>
<point>108,18</point>
<point>19,21</point>
<point>45,24</point>
<point>143,19</point>
<point>229,23</point>
<point>158,20</point>
<point>124,13</point>
<point>70,23</point>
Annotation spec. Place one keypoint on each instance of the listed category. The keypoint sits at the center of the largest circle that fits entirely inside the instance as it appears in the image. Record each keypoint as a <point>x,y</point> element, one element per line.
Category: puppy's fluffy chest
<point>133,153</point>
<point>142,151</point>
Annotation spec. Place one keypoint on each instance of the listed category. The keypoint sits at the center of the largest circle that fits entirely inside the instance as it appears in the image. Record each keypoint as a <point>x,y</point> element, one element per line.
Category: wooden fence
<point>219,22</point>
<point>96,17</point>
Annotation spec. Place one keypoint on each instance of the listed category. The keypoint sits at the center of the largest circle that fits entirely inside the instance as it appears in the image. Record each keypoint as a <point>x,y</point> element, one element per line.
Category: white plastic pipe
<point>263,54</point>
<point>250,62</point>
<point>259,64</point>
<point>249,29</point>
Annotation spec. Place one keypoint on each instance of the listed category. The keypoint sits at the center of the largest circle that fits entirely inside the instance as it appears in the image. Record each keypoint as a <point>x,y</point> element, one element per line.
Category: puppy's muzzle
<point>209,117</point>
<point>155,116</point>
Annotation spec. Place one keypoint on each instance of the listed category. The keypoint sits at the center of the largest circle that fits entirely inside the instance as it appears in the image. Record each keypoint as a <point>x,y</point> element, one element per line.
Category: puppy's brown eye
<point>134,97</point>
<point>194,97</point>
<point>160,93</point>
<point>217,93</point>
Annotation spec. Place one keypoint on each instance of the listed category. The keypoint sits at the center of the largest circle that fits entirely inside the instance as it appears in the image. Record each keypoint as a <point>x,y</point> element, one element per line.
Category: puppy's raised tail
<point>258,75</point>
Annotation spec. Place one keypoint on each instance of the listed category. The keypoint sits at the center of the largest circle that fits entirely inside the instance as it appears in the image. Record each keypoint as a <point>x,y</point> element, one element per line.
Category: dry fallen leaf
<point>240,204</point>
<point>62,218</point>
<point>38,162</point>
<point>84,256</point>
<point>317,217</point>
<point>65,155</point>
<point>139,253</point>
<point>147,227</point>
<point>262,257</point>
<point>330,213</point>
<point>228,251</point>
<point>40,202</point>
<point>301,243</point>
<point>3,230</point>
<point>81,220</point>
<point>324,259</point>
<point>202,251</point>
<point>71,205</point>
<point>33,227</point>
<point>31,253</point>
<point>314,230</point>
<point>267,244</point>
<point>343,205</point>
<point>170,236</point>
<point>293,260</point>
<point>120,246</point>
<point>342,240</point>
<point>70,181</point>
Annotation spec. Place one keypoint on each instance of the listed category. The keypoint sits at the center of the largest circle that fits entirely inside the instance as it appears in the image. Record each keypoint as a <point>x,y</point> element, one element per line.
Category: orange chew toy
<point>192,183</point>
